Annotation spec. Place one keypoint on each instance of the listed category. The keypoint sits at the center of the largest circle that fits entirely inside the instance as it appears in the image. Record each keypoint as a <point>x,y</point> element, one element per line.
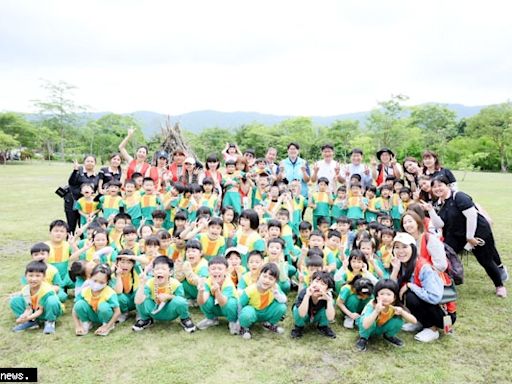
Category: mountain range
<point>196,121</point>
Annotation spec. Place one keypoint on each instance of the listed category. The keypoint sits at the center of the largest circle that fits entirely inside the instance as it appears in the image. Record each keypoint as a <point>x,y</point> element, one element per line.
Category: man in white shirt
<point>329,168</point>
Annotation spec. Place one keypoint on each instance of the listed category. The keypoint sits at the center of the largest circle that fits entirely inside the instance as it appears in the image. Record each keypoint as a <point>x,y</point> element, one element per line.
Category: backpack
<point>455,268</point>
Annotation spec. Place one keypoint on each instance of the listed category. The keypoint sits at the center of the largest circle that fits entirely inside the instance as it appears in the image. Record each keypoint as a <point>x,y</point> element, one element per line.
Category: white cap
<point>190,160</point>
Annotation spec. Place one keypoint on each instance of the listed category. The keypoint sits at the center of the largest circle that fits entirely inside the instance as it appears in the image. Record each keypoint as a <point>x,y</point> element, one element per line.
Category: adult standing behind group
<point>139,164</point>
<point>387,167</point>
<point>357,167</point>
<point>84,174</point>
<point>329,168</point>
<point>464,227</point>
<point>295,167</point>
<point>112,172</point>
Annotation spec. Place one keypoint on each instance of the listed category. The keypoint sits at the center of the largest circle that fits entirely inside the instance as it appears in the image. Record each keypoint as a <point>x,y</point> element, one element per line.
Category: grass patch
<point>476,353</point>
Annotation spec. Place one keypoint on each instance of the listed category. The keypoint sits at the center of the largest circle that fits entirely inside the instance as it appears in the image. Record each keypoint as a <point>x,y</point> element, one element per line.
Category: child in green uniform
<point>192,269</point>
<point>149,200</point>
<point>255,262</point>
<point>262,302</point>
<point>275,252</point>
<point>161,298</point>
<point>231,184</point>
<point>353,297</point>
<point>383,316</point>
<point>126,282</point>
<point>321,201</point>
<point>339,205</point>
<point>41,252</point>
<point>315,305</point>
<point>96,303</point>
<point>371,211</point>
<point>60,250</point>
<point>314,262</point>
<point>131,202</point>
<point>37,301</point>
<point>217,296</point>
<point>86,206</point>
<point>111,203</point>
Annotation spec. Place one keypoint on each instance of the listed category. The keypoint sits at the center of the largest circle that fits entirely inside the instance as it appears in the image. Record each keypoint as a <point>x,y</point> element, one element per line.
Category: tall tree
<point>58,111</point>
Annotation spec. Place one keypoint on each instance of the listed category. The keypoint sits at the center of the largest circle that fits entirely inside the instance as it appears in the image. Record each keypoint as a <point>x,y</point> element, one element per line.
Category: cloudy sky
<point>280,57</point>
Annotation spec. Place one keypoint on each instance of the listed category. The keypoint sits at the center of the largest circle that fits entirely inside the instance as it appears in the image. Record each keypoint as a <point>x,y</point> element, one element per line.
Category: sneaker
<point>193,304</point>
<point>327,331</point>
<point>24,326</point>
<point>273,328</point>
<point>348,322</point>
<point>297,332</point>
<point>501,291</point>
<point>394,340</point>
<point>410,327</point>
<point>427,335</point>
<point>188,325</point>
<point>49,327</point>
<point>503,273</point>
<point>234,327</point>
<point>362,344</point>
<point>207,323</point>
<point>140,324</point>
<point>245,333</point>
<point>122,317</point>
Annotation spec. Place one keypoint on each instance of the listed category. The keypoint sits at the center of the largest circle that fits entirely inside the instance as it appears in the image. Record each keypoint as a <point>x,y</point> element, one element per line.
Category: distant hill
<point>198,120</point>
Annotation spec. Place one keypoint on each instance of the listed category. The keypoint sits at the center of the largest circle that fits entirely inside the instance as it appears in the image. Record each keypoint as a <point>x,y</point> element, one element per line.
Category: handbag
<point>449,293</point>
<point>62,191</point>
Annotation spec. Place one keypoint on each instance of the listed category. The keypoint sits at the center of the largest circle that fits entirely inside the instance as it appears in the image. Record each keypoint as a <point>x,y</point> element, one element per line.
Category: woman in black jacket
<point>80,175</point>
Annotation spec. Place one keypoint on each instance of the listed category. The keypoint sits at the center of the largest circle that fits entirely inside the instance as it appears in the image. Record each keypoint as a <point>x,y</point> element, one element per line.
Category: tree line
<point>481,142</point>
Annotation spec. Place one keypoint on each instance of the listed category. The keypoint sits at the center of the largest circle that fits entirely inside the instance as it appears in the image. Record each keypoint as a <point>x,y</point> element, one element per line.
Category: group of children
<point>154,254</point>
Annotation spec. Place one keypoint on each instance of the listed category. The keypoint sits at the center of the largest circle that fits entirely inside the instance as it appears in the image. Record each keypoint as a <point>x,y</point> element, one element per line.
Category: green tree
<point>101,137</point>
<point>495,122</point>
<point>20,129</point>
<point>385,123</point>
<point>437,123</point>
<point>340,133</point>
<point>58,111</point>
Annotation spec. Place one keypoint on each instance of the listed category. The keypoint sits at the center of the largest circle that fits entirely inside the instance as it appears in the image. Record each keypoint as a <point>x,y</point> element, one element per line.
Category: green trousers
<point>126,301</point>
<point>177,307</point>
<point>273,314</point>
<point>356,305</point>
<point>212,310</point>
<point>85,312</point>
<point>52,308</point>
<point>390,328</point>
<point>319,319</point>
<point>233,199</point>
<point>189,289</point>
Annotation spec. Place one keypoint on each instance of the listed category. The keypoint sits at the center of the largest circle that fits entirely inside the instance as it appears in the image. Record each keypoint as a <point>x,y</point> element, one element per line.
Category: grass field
<point>480,351</point>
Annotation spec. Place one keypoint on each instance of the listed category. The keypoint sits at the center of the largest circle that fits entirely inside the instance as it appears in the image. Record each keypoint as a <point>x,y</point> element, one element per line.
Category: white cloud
<point>285,57</point>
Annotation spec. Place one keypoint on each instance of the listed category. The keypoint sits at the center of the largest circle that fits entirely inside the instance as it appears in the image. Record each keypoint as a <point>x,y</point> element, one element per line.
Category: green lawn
<point>478,352</point>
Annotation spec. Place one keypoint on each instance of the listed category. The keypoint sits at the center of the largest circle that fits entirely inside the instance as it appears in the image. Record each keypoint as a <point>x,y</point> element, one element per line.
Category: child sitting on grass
<point>263,302</point>
<point>37,301</point>
<point>383,316</point>
<point>161,298</point>
<point>315,305</point>
<point>96,303</point>
<point>352,299</point>
<point>217,296</point>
